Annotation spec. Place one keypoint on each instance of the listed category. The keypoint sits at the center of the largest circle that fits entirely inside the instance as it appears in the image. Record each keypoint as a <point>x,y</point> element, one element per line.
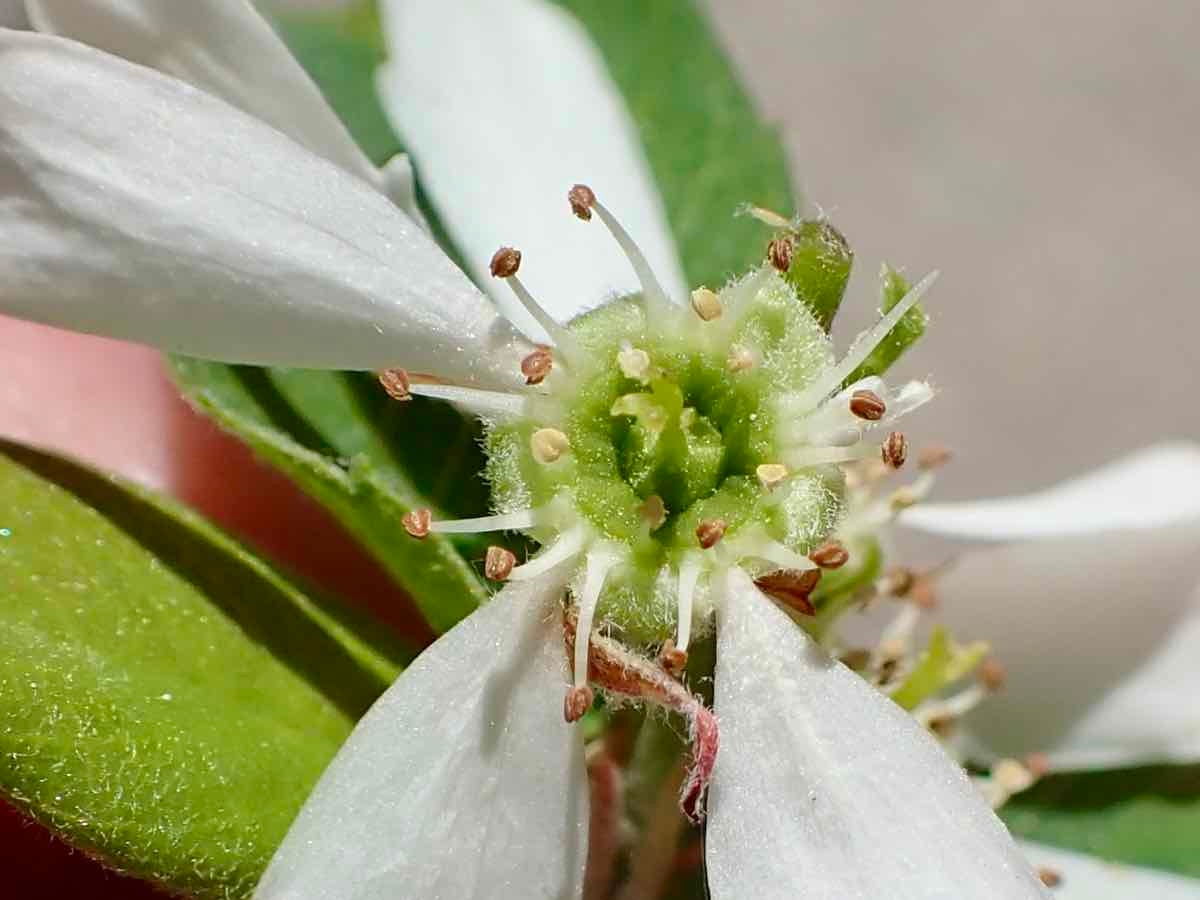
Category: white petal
<point>1100,635</point>
<point>223,47</point>
<point>504,108</point>
<point>463,781</point>
<point>1090,878</point>
<point>140,208</point>
<point>1155,486</point>
<point>824,789</point>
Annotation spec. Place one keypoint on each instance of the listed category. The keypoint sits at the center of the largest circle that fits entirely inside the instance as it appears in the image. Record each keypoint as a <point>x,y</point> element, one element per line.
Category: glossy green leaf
<point>709,148</point>
<point>324,434</point>
<point>167,700</point>
<point>1148,816</point>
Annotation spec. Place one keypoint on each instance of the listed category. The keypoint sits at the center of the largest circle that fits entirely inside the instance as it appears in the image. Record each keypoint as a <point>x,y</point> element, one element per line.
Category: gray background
<point>1045,157</point>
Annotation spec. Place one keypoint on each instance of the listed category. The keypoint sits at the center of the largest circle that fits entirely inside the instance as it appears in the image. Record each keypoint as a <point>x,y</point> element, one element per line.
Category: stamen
<point>771,475</point>
<point>779,253</point>
<point>548,444</point>
<point>577,702</point>
<point>784,557</point>
<point>473,400</point>
<point>653,511</point>
<point>706,304</point>
<point>672,659</point>
<point>806,457</point>
<point>619,671</point>
<point>395,382</point>
<point>1051,878</point>
<point>505,263</point>
<point>634,363</point>
<point>599,564</point>
<point>992,675</point>
<point>867,405</point>
<point>791,587</point>
<point>766,216</point>
<point>934,457</point>
<point>710,531</point>
<point>811,396</point>
<point>499,563</point>
<point>830,555</point>
<point>911,396</point>
<point>568,545</point>
<point>515,521</point>
<point>416,522</point>
<point>583,203</point>
<point>740,360</point>
<point>537,365</point>
<point>689,576</point>
<point>894,450</point>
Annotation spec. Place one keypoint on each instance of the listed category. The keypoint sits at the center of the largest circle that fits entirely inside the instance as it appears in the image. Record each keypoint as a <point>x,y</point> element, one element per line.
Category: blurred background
<point>1044,157</point>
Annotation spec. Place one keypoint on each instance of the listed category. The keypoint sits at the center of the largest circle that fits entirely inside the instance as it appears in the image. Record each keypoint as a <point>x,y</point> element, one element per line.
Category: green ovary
<point>688,430</point>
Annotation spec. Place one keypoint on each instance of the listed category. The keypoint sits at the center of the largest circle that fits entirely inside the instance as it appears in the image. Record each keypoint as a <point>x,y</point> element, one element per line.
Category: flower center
<point>663,424</point>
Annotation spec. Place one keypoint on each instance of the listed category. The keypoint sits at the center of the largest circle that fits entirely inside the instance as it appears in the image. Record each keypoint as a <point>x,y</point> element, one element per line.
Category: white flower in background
<point>140,207</point>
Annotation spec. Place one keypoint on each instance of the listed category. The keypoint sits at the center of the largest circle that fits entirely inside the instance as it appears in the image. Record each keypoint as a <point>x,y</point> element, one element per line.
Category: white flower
<point>1089,592</point>
<point>144,208</point>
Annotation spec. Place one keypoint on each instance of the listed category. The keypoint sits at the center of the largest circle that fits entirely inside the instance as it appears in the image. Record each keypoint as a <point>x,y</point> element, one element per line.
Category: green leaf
<point>1148,816</point>
<point>324,434</point>
<point>708,147</point>
<point>167,700</point>
<point>341,49</point>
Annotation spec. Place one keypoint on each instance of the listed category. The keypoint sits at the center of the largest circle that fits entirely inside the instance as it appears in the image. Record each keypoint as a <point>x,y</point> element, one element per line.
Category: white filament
<point>515,521</point>
<point>689,574</point>
<point>599,562</point>
<point>861,349</point>
<point>651,289</point>
<point>473,400</point>
<point>559,336</point>
<point>568,545</point>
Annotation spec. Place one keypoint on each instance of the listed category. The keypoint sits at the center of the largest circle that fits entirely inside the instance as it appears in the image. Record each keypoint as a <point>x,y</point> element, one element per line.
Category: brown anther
<point>867,405</point>
<point>505,262</point>
<point>830,555</point>
<point>992,674</point>
<point>653,512</point>
<point>499,563</point>
<point>771,475</point>
<point>887,672</point>
<point>856,658</point>
<point>779,253</point>
<point>942,726</point>
<point>396,383</point>
<point>898,582</point>
<point>934,457</point>
<point>672,658</point>
<point>1038,764</point>
<point>537,365</point>
<point>548,444</point>
<point>582,199</point>
<point>1051,878</point>
<point>577,702</point>
<point>894,450</point>
<point>416,522</point>
<point>706,304</point>
<point>791,587</point>
<point>710,531</point>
